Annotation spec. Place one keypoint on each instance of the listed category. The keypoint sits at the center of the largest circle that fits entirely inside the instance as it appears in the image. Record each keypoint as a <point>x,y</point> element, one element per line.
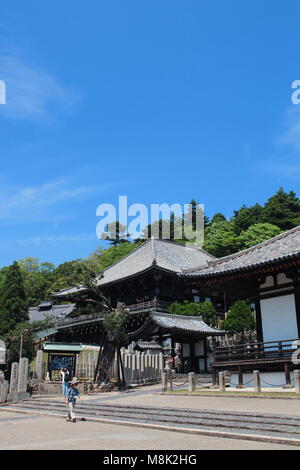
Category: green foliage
<point>13,338</point>
<point>115,232</point>
<point>283,210</point>
<point>38,279</point>
<point>205,309</point>
<point>239,318</point>
<point>13,301</point>
<point>115,324</point>
<point>258,233</point>
<point>102,258</point>
<point>247,216</point>
<point>221,239</point>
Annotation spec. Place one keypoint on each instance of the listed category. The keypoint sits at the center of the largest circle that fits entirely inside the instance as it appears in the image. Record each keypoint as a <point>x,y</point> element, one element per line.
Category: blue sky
<point>162,101</point>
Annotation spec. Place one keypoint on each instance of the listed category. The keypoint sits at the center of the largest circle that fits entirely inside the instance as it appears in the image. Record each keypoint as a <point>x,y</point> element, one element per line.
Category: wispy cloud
<point>31,92</point>
<point>53,240</point>
<point>32,203</point>
<point>286,156</point>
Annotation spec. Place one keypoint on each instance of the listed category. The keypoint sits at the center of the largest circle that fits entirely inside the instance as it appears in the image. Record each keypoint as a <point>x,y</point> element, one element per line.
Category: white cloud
<point>32,93</point>
<point>32,203</point>
<point>53,240</point>
<point>290,137</point>
<point>284,162</point>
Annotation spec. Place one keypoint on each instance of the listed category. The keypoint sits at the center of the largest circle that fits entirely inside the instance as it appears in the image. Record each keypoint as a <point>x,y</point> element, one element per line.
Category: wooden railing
<point>149,305</point>
<point>256,351</point>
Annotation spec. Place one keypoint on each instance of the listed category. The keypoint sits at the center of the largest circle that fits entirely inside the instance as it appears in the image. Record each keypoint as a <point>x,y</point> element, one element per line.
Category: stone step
<point>273,426</point>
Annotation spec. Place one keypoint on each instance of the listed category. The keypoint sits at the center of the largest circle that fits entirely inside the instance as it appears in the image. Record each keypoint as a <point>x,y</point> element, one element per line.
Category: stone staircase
<point>250,426</point>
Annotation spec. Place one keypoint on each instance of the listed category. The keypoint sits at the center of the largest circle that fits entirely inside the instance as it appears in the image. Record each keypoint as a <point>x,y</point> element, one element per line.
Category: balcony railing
<point>149,305</point>
<point>267,351</point>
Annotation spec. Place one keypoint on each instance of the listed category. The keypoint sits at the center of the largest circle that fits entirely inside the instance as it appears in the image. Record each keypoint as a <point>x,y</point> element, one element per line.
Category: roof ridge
<point>217,261</point>
<point>126,256</point>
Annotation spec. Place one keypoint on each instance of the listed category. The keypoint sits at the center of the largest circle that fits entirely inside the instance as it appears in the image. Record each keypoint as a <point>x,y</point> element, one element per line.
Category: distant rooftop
<point>46,308</point>
<point>165,255</point>
<point>282,247</point>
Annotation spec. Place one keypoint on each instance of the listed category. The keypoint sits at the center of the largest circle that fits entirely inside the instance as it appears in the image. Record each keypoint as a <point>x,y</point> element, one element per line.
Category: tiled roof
<point>59,312</point>
<point>190,324</point>
<point>147,345</point>
<point>279,248</point>
<point>164,254</point>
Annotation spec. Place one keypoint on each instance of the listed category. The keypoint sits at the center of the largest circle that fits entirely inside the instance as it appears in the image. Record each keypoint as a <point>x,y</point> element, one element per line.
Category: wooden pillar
<point>192,357</point>
<point>259,329</point>
<point>214,376</point>
<point>287,374</point>
<point>240,377</point>
<point>205,354</point>
<point>297,304</point>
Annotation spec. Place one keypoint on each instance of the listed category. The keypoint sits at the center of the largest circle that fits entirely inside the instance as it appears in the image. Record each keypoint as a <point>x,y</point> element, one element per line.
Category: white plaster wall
<point>275,379</point>
<point>279,318</point>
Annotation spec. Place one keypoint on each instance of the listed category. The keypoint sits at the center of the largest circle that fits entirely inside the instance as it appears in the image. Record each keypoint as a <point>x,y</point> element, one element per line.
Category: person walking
<point>71,397</point>
<point>65,378</point>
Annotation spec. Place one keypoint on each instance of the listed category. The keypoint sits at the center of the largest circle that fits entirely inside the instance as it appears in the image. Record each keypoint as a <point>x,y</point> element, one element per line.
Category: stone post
<point>192,381</point>
<point>257,385</point>
<point>13,386</point>
<point>222,381</point>
<point>3,388</point>
<point>22,379</point>
<point>39,365</point>
<point>138,368</point>
<point>164,380</point>
<point>297,380</point>
<point>133,373</point>
<point>156,367</point>
<point>129,362</point>
<point>143,367</point>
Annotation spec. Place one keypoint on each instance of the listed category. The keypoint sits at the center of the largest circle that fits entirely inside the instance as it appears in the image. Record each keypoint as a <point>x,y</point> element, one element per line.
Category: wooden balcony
<point>158,305</point>
<point>256,355</point>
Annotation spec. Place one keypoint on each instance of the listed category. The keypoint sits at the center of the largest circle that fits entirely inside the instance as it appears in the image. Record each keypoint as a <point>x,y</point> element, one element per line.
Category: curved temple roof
<point>179,324</point>
<point>163,254</point>
<point>282,247</point>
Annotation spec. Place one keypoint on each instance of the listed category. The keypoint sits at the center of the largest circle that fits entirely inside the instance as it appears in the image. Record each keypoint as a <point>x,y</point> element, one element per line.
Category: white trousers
<point>71,414</point>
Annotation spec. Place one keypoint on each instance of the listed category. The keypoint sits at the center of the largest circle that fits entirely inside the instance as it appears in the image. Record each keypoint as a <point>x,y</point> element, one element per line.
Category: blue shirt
<point>72,395</point>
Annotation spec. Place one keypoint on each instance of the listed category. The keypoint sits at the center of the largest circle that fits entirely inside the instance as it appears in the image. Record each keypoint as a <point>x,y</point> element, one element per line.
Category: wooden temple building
<point>147,281</point>
<point>160,272</point>
<point>268,276</point>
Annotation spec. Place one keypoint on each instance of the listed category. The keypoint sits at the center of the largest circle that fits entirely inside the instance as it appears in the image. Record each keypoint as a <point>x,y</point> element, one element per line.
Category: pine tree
<point>13,302</point>
<point>283,210</point>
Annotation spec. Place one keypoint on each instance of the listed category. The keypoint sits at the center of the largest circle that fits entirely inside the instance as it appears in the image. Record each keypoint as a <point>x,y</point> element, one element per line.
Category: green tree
<point>13,337</point>
<point>258,233</point>
<point>13,301</point>
<point>38,279</point>
<point>247,216</point>
<point>205,309</point>
<point>221,239</point>
<point>102,258</point>
<point>218,217</point>
<point>116,233</point>
<point>239,318</point>
<point>115,324</point>
<point>283,210</point>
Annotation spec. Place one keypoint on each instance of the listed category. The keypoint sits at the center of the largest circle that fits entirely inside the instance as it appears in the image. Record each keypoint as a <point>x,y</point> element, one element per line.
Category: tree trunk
<point>105,360</point>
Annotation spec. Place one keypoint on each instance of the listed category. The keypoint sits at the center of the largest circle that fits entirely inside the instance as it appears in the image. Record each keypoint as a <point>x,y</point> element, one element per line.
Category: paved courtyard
<point>42,433</point>
<point>19,431</point>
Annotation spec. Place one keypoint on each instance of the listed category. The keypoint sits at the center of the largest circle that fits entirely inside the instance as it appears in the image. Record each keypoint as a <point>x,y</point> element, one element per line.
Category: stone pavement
<point>19,432</point>
<point>151,396</point>
<point>42,432</point>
